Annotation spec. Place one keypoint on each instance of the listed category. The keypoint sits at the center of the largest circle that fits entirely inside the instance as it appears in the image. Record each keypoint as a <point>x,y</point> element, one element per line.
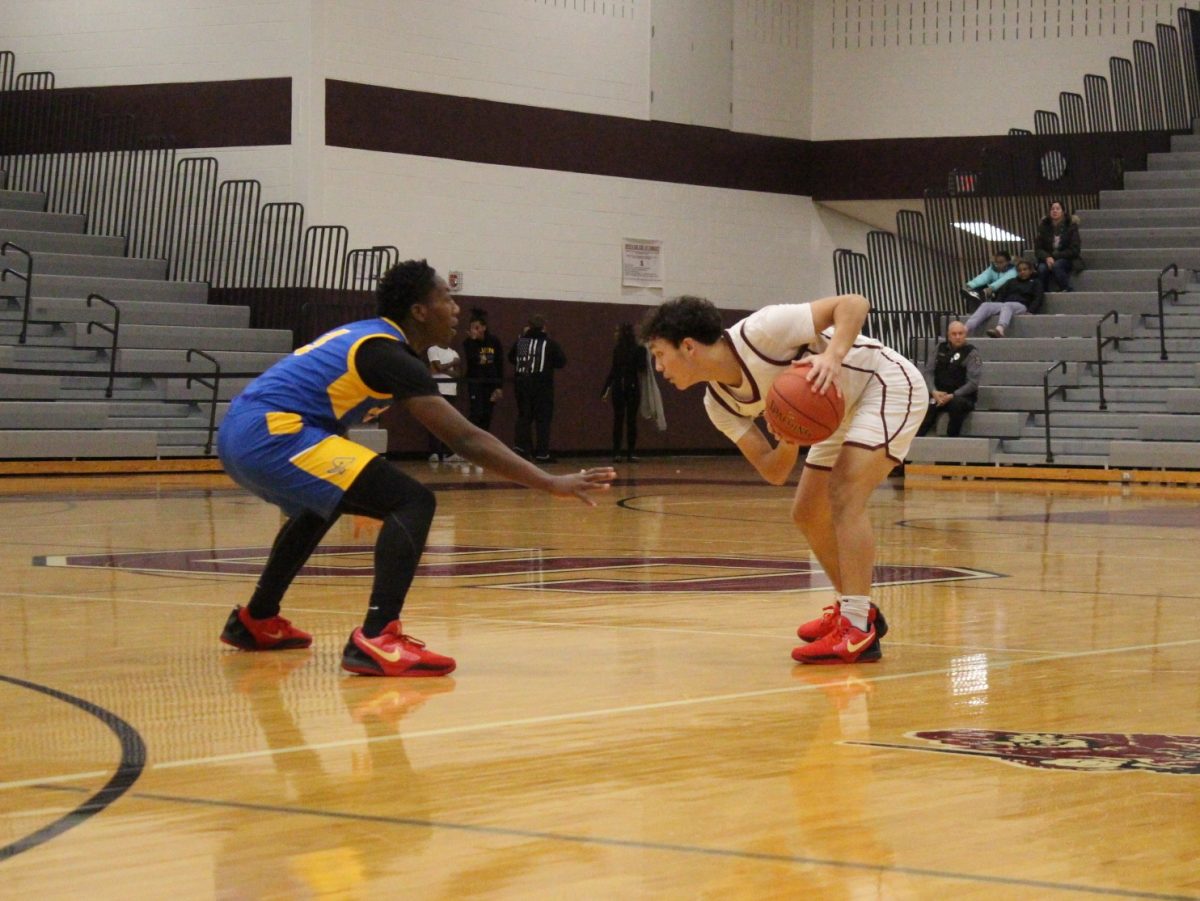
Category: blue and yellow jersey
<point>320,382</point>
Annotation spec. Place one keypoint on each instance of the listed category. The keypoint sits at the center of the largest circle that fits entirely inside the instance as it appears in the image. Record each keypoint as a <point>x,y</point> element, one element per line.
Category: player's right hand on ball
<point>581,484</point>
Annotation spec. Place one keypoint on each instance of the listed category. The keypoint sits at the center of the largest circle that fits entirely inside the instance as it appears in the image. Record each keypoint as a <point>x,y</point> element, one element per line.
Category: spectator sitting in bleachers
<point>983,286</point>
<point>954,381</point>
<point>1058,248</point>
<point>1022,294</point>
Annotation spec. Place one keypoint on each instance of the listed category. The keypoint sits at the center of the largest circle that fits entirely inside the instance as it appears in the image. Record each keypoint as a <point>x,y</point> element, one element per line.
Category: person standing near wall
<point>535,356</point>
<point>623,390</point>
<point>445,366</point>
<point>484,356</point>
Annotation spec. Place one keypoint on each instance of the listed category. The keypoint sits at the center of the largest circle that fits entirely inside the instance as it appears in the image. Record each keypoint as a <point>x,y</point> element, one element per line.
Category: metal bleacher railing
<point>913,274</point>
<point>126,179</point>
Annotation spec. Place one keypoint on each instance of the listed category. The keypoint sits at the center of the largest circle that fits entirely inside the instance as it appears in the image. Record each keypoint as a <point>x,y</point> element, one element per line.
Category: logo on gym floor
<point>1085,752</point>
<point>528,569</point>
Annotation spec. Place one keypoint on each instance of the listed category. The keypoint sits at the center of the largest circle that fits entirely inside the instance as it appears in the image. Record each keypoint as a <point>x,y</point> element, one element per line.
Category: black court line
<point>133,761</point>
<point>640,845</point>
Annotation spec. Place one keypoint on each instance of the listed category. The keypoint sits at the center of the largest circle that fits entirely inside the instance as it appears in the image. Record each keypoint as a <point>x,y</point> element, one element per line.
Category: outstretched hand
<point>581,484</point>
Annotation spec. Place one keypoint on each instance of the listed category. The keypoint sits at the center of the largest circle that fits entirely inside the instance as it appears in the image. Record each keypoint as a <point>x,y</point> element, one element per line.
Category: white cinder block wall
<point>963,67</point>
<point>806,69</point>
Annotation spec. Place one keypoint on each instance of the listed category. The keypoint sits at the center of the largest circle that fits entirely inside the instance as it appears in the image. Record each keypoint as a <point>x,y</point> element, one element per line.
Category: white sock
<point>856,608</point>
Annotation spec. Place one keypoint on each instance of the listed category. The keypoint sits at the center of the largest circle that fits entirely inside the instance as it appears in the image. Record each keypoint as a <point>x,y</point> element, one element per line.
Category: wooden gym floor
<point>626,721</point>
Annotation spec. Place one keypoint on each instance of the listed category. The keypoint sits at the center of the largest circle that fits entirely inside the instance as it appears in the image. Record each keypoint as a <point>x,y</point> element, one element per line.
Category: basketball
<point>797,413</point>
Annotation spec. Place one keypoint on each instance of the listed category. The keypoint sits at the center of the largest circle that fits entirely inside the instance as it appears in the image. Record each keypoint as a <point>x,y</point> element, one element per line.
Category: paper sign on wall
<point>641,263</point>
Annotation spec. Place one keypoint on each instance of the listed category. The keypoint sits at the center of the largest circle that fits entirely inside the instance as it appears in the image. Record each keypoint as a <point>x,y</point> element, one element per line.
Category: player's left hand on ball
<point>581,484</point>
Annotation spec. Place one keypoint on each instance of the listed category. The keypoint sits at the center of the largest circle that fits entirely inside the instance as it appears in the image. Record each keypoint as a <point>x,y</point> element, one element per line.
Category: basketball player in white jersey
<point>885,398</point>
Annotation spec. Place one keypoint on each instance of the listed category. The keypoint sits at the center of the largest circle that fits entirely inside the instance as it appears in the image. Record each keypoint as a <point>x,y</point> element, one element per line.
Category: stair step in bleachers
<point>1169,427</point>
<point>1137,381</point>
<point>1185,143</point>
<point>87,266</point>
<point>64,242</point>
<point>41,332</point>
<point>133,312</point>
<point>29,387</point>
<point>118,289</point>
<point>952,450</point>
<point>1158,369</point>
<point>194,420</point>
<point>1036,349</point>
<point>1008,372</point>
<point>74,444</point>
<point>1085,446</point>
<point>1150,198</point>
<point>1008,458</point>
<point>29,220</point>
<point>182,337</point>
<point>22,200</point>
<point>1177,348</point>
<point>178,389</point>
<point>166,360</point>
<point>1060,431</point>
<point>1163,178</point>
<point>1105,419</point>
<point>1175,217</point>
<point>1050,326</point>
<point>374,438</point>
<point>190,437</point>
<point>39,357</point>
<point>59,414</point>
<point>1144,257</point>
<point>1097,303</point>
<point>1089,393</point>
<point>991,424</point>
<point>1127,280</point>
<point>1130,238</point>
<point>1180,160</point>
<point>150,408</point>
<point>1155,454</point>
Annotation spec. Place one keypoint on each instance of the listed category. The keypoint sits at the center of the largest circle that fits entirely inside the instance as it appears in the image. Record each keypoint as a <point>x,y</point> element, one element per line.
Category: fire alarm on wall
<point>454,280</point>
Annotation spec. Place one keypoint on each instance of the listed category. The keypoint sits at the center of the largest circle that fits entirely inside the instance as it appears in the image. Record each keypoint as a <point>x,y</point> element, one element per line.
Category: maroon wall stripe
<point>392,120</point>
<point>248,112</point>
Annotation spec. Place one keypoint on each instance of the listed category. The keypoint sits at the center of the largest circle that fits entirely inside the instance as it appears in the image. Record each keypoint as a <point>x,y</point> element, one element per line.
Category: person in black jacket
<point>1057,248</point>
<point>957,367</point>
<point>1022,294</point>
<point>535,356</point>
<point>622,388</point>
<point>485,369</point>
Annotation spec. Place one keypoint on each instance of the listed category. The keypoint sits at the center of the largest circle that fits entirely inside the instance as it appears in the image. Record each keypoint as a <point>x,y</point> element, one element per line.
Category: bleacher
<point>1152,406</point>
<point>69,416</point>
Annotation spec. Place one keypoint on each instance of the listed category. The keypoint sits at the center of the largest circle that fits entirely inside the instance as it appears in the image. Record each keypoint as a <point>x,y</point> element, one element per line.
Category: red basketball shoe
<point>272,634</point>
<point>392,653</point>
<point>823,624</point>
<point>842,644</point>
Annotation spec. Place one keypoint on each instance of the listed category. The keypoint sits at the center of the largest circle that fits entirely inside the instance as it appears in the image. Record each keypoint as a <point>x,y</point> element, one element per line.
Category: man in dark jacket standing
<point>535,356</point>
<point>485,369</point>
<point>956,370</point>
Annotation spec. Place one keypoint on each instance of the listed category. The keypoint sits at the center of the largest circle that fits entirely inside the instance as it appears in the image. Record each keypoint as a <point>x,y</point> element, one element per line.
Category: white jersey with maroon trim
<point>765,344</point>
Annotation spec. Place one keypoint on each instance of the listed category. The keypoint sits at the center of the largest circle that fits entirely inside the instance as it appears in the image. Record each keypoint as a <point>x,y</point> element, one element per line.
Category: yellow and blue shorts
<point>288,462</point>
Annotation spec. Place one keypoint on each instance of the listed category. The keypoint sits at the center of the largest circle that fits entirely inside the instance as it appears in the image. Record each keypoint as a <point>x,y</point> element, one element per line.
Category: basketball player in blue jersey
<point>284,440</point>
<point>885,398</point>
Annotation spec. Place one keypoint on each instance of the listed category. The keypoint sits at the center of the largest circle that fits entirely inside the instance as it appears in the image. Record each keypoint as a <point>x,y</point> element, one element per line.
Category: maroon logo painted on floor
<point>528,569</point>
<point>1086,752</point>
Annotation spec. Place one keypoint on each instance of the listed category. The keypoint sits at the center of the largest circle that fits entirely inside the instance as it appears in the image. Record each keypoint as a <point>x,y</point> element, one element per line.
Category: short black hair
<point>403,285</point>
<point>683,317</point>
<point>1003,253</point>
<point>478,315</point>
